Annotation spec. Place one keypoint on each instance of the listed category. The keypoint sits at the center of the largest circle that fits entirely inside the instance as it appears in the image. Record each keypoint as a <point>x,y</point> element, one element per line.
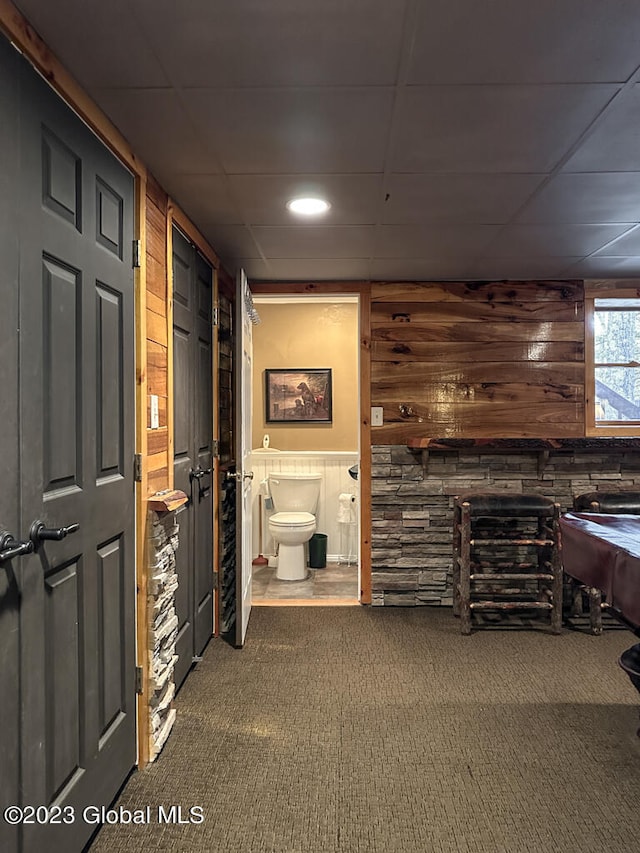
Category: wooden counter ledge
<point>541,446</point>
<point>167,501</point>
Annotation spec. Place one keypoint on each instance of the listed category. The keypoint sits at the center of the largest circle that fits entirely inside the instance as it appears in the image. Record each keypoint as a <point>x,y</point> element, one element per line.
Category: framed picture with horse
<point>298,396</point>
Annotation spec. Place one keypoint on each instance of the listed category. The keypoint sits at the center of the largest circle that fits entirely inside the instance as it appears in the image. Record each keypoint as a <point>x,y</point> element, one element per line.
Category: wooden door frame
<point>361,289</point>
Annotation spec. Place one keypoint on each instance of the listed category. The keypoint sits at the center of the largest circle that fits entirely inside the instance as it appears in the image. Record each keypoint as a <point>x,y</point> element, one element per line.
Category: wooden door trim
<point>361,289</point>
<point>365,444</point>
<point>142,487</point>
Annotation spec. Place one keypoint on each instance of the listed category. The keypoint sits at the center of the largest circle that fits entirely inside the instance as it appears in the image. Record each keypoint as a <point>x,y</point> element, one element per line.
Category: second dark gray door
<point>193,446</point>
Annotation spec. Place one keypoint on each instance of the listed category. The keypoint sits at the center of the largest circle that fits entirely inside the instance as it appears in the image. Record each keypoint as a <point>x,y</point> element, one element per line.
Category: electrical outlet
<point>377,416</point>
<point>155,413</point>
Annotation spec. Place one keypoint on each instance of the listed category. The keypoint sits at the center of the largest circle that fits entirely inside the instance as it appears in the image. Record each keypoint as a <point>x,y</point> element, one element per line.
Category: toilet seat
<point>289,519</point>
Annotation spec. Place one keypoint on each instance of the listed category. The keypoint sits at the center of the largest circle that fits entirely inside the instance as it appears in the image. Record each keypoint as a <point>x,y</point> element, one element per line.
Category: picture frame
<point>299,396</point>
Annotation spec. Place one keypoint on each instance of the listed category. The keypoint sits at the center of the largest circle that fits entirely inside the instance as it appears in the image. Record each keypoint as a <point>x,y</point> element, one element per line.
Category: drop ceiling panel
<point>233,241</point>
<point>315,269</point>
<point>503,136</point>
<point>314,242</point>
<point>155,121</point>
<point>614,144</point>
<point>294,130</point>
<point>418,269</point>
<point>586,198</point>
<point>627,245</point>
<point>492,128</point>
<point>597,267</point>
<point>276,43</point>
<point>492,269</point>
<point>456,198</point>
<point>530,241</point>
<point>206,198</point>
<point>354,199</point>
<point>97,42</point>
<point>444,242</point>
<point>547,41</point>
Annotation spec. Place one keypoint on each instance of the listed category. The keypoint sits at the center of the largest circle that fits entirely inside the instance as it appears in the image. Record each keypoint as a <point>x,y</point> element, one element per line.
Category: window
<point>615,361</point>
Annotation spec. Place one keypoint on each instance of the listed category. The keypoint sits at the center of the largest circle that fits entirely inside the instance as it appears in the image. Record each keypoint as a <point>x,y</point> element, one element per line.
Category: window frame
<point>591,294</point>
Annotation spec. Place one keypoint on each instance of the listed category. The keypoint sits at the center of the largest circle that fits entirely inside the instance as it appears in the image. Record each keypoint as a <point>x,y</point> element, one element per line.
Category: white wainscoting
<point>334,467</point>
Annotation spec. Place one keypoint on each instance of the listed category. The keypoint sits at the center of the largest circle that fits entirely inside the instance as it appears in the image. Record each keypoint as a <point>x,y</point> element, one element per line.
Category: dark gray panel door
<point>9,445</point>
<point>193,460</point>
<point>74,384</point>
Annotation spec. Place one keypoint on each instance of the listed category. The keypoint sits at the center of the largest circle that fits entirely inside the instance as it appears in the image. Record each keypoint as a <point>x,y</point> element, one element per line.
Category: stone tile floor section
<point>333,582</point>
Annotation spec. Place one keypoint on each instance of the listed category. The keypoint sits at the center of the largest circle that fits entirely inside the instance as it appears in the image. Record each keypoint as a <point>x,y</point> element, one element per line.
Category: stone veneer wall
<point>412,512</point>
<point>163,627</point>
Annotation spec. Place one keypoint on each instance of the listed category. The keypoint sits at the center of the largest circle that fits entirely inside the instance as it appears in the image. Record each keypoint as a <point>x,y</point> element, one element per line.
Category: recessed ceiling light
<point>308,206</point>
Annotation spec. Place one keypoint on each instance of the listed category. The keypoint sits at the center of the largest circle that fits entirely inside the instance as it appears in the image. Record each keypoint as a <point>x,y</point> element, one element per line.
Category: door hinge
<point>137,467</point>
<point>215,447</point>
<point>216,316</point>
<point>139,679</point>
<point>136,254</point>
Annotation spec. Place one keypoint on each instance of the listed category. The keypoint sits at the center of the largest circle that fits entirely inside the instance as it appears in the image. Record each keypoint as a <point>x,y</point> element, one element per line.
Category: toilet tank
<point>295,492</point>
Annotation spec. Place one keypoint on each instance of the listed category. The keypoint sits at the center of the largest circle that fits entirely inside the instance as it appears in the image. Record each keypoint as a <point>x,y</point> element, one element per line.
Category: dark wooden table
<point>603,551</point>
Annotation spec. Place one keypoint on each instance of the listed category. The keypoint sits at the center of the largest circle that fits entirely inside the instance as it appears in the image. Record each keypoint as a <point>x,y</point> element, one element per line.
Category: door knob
<point>198,473</point>
<point>11,547</point>
<point>239,475</point>
<point>39,532</point>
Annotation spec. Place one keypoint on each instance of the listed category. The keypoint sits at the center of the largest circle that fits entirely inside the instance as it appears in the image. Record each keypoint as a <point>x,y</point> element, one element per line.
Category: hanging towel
<point>346,508</point>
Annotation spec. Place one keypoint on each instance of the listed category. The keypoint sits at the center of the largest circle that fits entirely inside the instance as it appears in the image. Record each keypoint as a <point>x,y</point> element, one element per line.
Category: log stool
<point>626,502</point>
<point>506,555</point>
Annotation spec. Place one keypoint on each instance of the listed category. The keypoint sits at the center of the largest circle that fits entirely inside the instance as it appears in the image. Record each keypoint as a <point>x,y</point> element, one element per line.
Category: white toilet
<point>295,500</point>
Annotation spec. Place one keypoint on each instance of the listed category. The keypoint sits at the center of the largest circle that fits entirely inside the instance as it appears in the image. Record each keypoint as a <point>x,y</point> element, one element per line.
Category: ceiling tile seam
<point>209,145</point>
<point>623,93</point>
<point>611,242</point>
<point>407,43</point>
<point>204,140</point>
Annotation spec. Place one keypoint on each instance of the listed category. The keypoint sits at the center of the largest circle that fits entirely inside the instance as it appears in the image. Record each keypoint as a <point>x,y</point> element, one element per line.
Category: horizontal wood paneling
<point>485,359</point>
<point>157,354</point>
<point>156,277</point>
<point>157,368</point>
<point>156,328</point>
<point>480,291</point>
<point>158,461</point>
<point>407,377</point>
<point>400,433</point>
<point>478,312</point>
<point>457,392</point>
<point>156,304</point>
<point>489,413</point>
<point>465,351</point>
<point>157,441</point>
<point>509,331</point>
<point>158,480</point>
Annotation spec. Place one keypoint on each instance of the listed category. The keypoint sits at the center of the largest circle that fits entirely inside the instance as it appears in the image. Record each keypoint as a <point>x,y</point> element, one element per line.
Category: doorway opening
<point>306,421</point>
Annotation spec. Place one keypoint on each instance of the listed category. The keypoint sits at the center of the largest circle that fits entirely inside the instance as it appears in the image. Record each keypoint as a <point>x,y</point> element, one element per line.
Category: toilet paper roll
<point>346,508</point>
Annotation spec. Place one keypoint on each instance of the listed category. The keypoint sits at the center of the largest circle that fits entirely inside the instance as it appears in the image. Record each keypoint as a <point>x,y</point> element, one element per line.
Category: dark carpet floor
<point>371,729</point>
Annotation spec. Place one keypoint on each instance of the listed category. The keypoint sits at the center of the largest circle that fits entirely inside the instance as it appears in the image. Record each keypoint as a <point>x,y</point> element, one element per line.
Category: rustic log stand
<point>522,571</point>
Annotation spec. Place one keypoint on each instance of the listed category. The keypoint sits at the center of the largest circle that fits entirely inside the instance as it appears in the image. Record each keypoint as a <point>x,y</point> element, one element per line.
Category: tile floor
<point>335,583</point>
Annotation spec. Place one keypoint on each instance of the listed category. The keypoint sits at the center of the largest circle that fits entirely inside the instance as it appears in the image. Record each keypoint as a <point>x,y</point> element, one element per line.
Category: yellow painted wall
<point>309,335</point>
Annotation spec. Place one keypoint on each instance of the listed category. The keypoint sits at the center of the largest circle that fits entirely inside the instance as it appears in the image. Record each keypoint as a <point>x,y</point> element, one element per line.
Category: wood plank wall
<point>157,343</point>
<point>478,359</point>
